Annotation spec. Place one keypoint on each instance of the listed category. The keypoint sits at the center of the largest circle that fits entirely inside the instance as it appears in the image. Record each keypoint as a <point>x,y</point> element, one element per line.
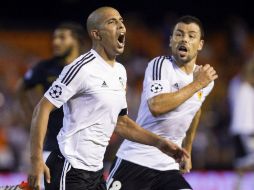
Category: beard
<point>64,54</point>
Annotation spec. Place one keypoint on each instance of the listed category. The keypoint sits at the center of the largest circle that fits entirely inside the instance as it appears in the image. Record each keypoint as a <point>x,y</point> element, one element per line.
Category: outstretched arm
<point>37,134</point>
<point>186,165</point>
<point>128,129</point>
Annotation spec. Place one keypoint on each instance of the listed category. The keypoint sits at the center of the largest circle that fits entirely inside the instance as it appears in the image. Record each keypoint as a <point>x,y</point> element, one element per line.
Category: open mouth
<point>182,49</point>
<point>121,39</point>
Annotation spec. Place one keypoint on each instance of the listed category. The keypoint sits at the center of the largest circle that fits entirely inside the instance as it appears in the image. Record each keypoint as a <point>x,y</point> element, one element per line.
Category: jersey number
<point>116,185</point>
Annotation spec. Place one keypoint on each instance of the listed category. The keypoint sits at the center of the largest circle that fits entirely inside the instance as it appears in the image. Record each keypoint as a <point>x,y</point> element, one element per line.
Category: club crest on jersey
<point>156,87</point>
<point>121,81</point>
<point>55,91</point>
<point>200,94</point>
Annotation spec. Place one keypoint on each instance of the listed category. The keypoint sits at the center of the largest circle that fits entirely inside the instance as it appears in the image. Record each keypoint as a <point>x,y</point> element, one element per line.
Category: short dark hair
<point>76,29</point>
<point>188,19</point>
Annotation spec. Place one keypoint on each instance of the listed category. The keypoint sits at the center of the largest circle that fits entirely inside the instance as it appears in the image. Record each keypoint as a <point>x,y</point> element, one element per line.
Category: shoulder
<point>48,62</point>
<point>157,66</point>
<point>120,67</point>
<point>159,60</point>
<point>81,61</point>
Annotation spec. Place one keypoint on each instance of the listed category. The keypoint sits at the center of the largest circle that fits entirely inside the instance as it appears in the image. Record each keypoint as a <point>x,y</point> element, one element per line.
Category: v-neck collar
<point>180,70</point>
<point>102,61</point>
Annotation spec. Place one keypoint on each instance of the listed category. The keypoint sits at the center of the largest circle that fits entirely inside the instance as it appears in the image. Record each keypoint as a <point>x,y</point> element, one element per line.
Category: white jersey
<point>93,94</point>
<point>163,76</point>
<point>241,96</point>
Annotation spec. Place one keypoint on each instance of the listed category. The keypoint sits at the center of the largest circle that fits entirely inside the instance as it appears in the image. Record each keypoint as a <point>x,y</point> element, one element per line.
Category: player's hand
<point>203,75</point>
<point>185,165</point>
<point>38,167</point>
<point>173,150</point>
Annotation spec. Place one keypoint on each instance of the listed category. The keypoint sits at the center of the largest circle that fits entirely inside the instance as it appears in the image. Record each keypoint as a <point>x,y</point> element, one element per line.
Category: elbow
<point>155,110</point>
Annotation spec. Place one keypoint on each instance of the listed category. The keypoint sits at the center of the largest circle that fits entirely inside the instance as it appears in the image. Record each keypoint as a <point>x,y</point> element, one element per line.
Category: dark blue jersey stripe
<point>71,70</point>
<point>154,68</point>
<point>163,58</point>
<point>78,68</point>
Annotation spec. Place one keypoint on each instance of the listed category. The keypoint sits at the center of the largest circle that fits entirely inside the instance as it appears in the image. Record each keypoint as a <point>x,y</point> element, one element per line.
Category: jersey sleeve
<point>68,83</point>
<point>156,78</point>
<point>123,81</point>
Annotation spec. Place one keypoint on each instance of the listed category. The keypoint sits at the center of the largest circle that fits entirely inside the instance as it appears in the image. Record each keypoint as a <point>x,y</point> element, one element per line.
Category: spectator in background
<point>241,100</point>
<point>68,44</point>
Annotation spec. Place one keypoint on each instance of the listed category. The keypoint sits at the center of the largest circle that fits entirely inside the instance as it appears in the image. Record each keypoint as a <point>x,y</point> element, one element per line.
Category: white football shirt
<point>163,76</point>
<point>92,94</point>
<point>241,96</point>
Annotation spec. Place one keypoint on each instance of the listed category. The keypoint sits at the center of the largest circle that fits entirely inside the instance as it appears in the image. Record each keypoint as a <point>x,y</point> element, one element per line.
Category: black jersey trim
<point>123,112</point>
<point>76,67</point>
<point>154,68</point>
<point>73,67</point>
<point>157,66</point>
<point>163,58</point>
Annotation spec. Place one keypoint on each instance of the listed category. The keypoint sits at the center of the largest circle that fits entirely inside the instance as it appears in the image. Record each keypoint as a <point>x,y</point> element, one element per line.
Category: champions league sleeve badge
<point>156,87</point>
<point>55,91</point>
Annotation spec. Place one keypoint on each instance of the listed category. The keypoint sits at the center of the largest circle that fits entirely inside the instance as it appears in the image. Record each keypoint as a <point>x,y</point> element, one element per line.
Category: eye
<point>178,34</point>
<point>111,21</point>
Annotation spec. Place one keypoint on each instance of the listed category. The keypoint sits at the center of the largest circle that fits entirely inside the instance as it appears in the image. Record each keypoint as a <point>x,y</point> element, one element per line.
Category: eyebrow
<point>179,30</point>
<point>113,18</point>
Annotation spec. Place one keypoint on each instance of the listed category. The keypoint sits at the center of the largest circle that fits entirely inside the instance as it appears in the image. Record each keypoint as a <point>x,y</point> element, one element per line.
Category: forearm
<point>128,129</point>
<point>191,133</point>
<point>39,128</point>
<point>166,102</point>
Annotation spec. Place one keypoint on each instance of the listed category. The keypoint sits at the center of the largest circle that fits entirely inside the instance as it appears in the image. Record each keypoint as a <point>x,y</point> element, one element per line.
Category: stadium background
<point>25,38</point>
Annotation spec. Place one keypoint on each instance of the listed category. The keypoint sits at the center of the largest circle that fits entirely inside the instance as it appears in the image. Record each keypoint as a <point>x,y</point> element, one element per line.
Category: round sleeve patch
<point>156,87</point>
<point>55,91</point>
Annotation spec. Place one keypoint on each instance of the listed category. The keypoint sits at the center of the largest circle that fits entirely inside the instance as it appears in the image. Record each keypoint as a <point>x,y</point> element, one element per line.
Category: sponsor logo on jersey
<point>104,84</point>
<point>121,81</point>
<point>200,94</point>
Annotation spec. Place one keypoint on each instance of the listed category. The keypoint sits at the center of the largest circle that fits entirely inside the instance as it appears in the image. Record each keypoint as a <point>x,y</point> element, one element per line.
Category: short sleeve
<point>156,78</point>
<point>123,81</point>
<point>70,82</point>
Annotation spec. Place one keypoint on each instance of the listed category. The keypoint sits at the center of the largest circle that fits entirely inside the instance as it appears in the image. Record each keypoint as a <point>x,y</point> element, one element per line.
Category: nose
<point>185,38</point>
<point>121,25</point>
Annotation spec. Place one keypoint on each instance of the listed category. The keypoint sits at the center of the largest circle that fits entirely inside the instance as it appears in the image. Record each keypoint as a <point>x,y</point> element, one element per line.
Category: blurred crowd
<point>227,49</point>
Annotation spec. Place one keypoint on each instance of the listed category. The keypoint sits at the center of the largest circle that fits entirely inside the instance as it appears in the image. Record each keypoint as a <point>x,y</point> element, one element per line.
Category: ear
<point>95,34</point>
<point>201,44</point>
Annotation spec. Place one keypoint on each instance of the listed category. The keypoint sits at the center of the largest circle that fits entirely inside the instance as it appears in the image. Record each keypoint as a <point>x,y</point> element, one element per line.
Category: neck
<point>108,58</point>
<point>186,67</point>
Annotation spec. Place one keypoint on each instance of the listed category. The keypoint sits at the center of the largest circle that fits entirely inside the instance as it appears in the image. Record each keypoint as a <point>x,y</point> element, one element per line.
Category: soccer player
<point>92,92</point>
<point>174,89</point>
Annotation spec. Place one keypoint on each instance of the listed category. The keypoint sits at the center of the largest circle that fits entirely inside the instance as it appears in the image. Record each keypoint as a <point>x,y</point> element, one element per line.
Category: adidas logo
<point>104,84</point>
